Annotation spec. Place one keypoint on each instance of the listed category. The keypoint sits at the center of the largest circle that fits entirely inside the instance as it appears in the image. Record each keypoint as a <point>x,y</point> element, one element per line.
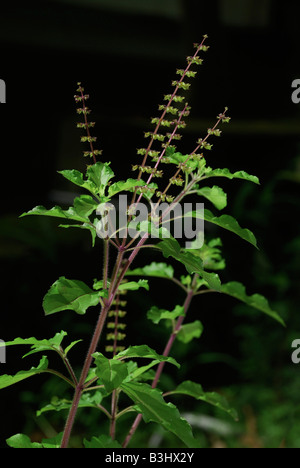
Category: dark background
<point>125,53</point>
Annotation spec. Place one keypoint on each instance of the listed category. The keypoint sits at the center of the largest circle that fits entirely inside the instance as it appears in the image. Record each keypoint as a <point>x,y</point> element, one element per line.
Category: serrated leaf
<point>195,390</point>
<point>215,195</point>
<point>209,172</point>
<point>87,400</point>
<point>82,209</point>
<point>189,331</point>
<point>257,301</point>
<point>143,351</point>
<point>154,408</point>
<point>52,344</point>
<point>67,294</point>
<point>111,372</point>
<point>226,222</point>
<point>124,185</point>
<point>7,380</point>
<point>171,248</point>
<point>102,441</point>
<point>159,270</point>
<point>156,314</point>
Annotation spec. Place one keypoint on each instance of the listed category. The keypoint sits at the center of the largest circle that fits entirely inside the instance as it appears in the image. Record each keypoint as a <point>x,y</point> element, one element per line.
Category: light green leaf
<point>143,351</point>
<point>53,344</point>
<point>189,331</point>
<point>97,178</point>
<point>210,254</point>
<point>215,195</point>
<point>159,270</point>
<point>156,315</point>
<point>111,372</point>
<point>257,301</point>
<point>102,441</point>
<point>83,207</point>
<point>209,172</point>
<point>225,222</point>
<point>7,380</point>
<point>100,174</point>
<point>133,285</point>
<point>67,294</point>
<point>196,391</point>
<point>153,407</point>
<point>124,185</point>
<point>23,441</point>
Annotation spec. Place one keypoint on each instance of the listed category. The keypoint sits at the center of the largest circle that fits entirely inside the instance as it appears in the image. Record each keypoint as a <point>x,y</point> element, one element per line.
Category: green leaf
<point>83,207</point>
<point>153,407</point>
<point>215,195</point>
<point>133,285</point>
<point>171,248</point>
<point>159,270</point>
<point>196,391</point>
<point>56,212</point>
<point>87,400</point>
<point>209,172</point>
<point>189,331</point>
<point>257,301</point>
<point>156,315</point>
<point>225,222</point>
<point>53,344</point>
<point>100,174</point>
<point>102,441</point>
<point>23,441</point>
<point>210,254</point>
<point>7,380</point>
<point>111,372</point>
<point>98,177</point>
<point>67,294</point>
<point>143,351</point>
<point>124,185</point>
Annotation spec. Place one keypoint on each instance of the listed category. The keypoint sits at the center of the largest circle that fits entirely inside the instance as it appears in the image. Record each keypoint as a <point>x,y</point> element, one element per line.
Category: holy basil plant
<point>153,210</point>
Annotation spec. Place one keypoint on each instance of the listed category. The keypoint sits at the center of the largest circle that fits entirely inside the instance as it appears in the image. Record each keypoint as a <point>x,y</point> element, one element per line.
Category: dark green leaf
<point>225,222</point>
<point>257,301</point>
<point>154,408</point>
<point>102,441</point>
<point>196,391</point>
<point>171,248</point>
<point>7,380</point>
<point>111,372</point>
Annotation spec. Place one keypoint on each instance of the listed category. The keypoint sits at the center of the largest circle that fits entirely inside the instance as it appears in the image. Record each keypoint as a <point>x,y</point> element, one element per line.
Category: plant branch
<point>166,352</point>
